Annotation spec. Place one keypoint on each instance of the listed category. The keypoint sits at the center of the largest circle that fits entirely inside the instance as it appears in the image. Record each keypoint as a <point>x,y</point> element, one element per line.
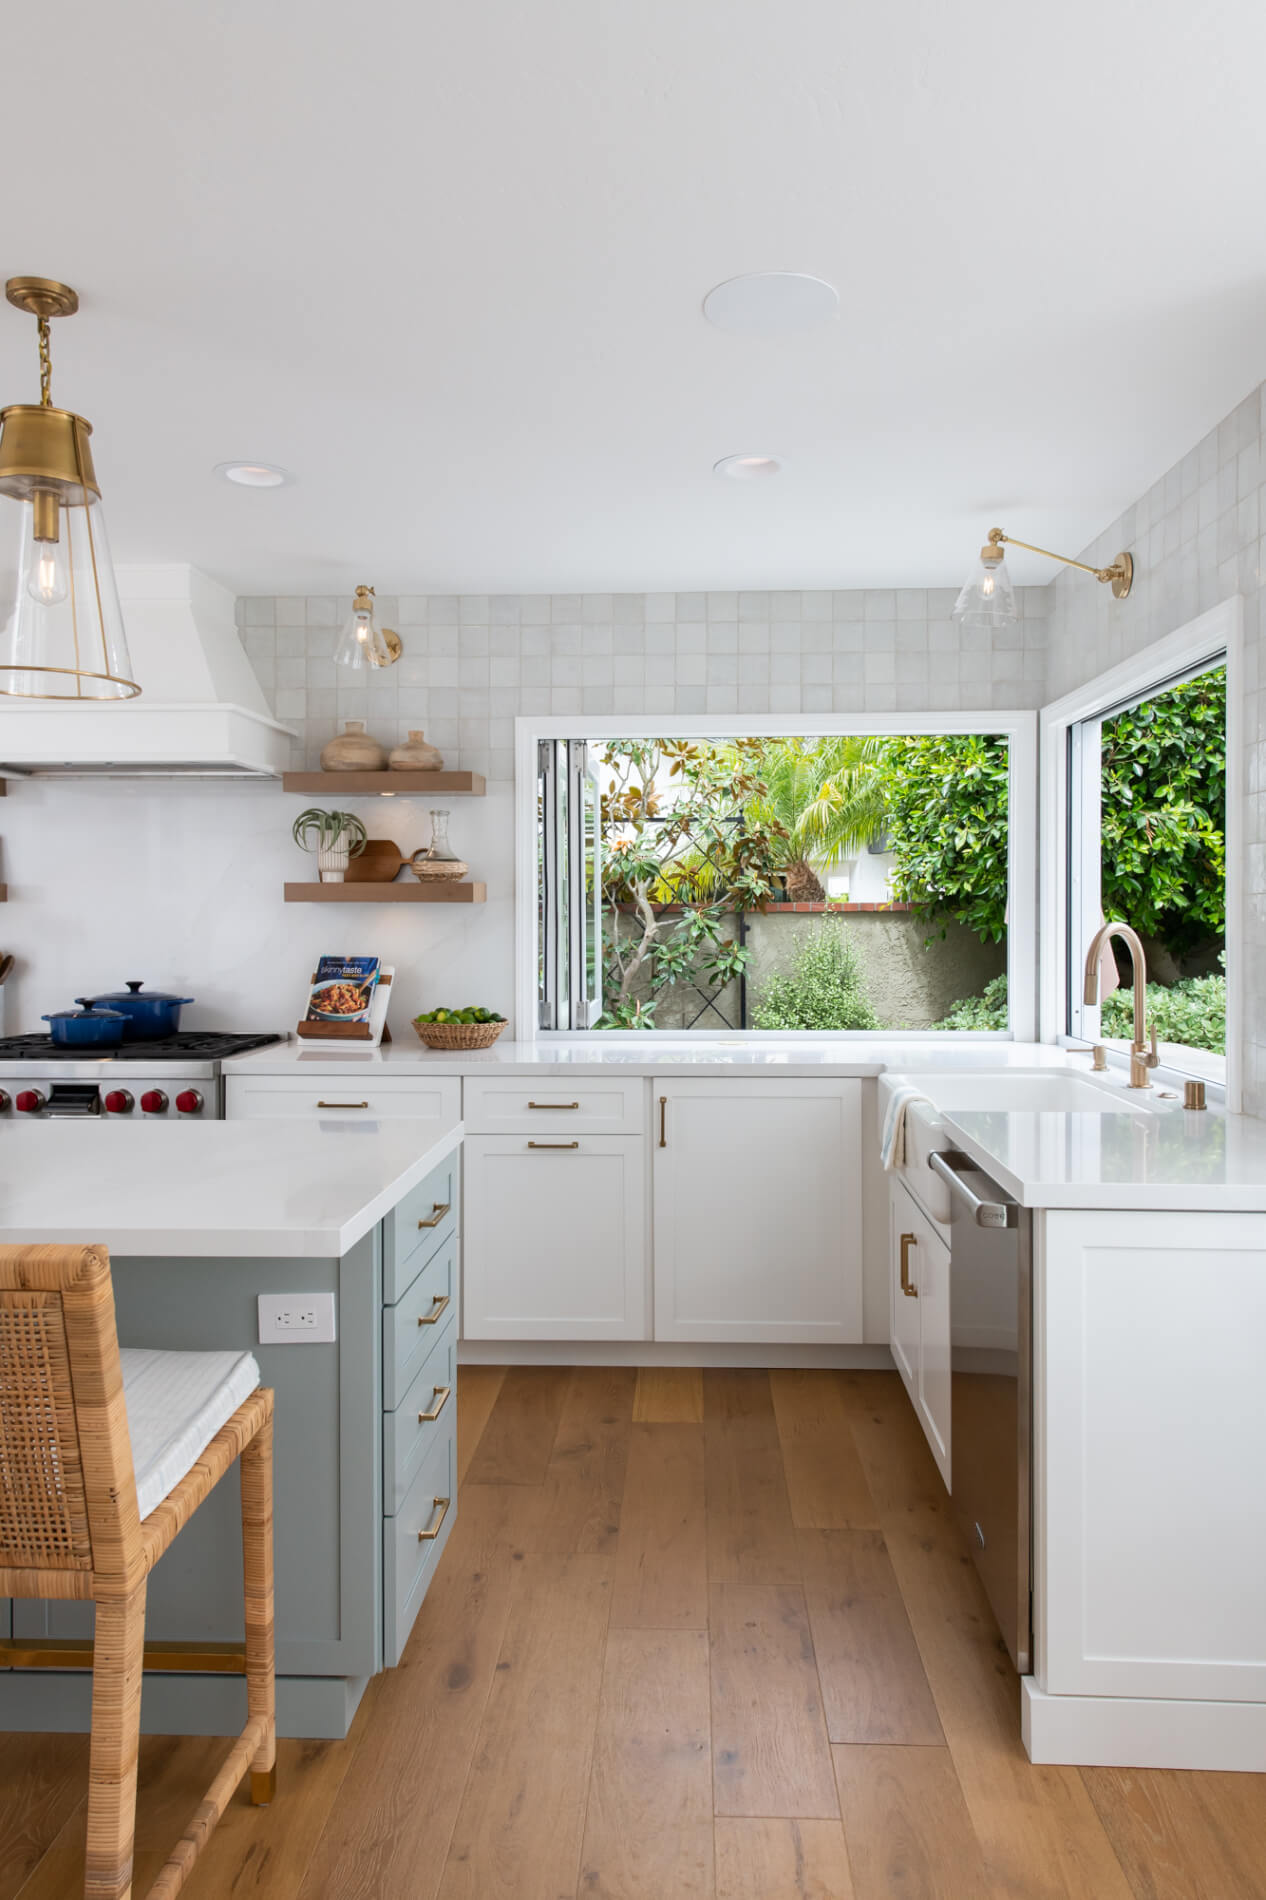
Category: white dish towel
<point>892,1143</point>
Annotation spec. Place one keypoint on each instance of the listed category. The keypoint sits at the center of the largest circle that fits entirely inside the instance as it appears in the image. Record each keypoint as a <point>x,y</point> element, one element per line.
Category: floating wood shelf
<point>4,893</point>
<point>414,893</point>
<point>388,784</point>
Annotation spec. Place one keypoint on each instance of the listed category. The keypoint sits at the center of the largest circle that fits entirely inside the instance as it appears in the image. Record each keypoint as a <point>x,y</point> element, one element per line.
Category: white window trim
<point>1019,728</point>
<point>1200,640</point>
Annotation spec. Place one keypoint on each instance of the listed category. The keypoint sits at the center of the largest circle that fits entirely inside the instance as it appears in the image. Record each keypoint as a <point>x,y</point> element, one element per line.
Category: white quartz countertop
<point>1140,1150</point>
<point>1167,1160</point>
<point>273,1188</point>
<point>807,1056</point>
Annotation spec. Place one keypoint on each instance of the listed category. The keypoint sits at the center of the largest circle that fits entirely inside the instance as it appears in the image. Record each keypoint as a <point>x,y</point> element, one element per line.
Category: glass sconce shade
<point>362,642</point>
<point>987,598</point>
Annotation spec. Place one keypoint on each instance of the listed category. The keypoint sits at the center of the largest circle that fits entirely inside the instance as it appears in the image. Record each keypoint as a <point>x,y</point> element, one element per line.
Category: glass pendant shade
<point>361,642</point>
<point>987,598</point>
<point>63,635</point>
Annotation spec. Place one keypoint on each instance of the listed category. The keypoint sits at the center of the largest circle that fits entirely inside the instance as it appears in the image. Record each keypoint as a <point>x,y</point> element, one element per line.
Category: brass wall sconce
<point>363,642</point>
<point>988,599</point>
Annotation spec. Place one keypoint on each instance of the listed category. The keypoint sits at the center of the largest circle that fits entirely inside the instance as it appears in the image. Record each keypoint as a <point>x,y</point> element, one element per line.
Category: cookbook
<point>342,990</point>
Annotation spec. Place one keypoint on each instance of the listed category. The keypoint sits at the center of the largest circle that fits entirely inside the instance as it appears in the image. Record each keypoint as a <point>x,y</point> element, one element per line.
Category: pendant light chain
<point>46,367</point>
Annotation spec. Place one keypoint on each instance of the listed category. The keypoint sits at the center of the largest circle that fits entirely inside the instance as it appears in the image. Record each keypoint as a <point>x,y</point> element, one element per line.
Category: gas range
<point>173,1078</point>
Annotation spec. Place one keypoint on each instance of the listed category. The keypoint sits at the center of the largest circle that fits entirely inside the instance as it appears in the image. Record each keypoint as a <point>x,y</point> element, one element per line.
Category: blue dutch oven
<point>148,1016</point>
<point>86,1027</point>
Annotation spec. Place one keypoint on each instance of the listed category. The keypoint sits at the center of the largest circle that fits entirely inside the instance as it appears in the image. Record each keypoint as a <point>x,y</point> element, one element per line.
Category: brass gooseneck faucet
<point>1142,1058</point>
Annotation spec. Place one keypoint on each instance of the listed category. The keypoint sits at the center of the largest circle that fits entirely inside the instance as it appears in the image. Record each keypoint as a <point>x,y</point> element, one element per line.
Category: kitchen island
<point>355,1229</point>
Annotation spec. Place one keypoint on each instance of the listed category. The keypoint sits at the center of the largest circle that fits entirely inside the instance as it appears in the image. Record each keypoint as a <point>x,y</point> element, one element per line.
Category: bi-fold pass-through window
<point>830,883</point>
<point>569,885</point>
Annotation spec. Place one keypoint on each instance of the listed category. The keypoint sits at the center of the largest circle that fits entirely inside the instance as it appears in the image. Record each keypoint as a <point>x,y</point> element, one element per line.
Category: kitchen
<point>708,1458</point>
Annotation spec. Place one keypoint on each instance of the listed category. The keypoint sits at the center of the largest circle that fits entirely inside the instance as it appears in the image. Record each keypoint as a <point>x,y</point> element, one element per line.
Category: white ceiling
<point>446,263</point>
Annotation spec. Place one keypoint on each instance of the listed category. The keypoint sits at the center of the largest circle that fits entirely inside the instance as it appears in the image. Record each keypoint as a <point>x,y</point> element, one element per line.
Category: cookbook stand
<point>348,1032</point>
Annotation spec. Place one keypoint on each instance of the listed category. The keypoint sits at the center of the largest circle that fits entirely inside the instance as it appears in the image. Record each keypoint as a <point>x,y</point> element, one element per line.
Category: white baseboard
<point>1128,1732</point>
<point>652,1352</point>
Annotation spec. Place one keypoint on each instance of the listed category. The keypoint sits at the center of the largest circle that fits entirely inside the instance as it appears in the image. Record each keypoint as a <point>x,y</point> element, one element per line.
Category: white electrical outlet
<point>287,1319</point>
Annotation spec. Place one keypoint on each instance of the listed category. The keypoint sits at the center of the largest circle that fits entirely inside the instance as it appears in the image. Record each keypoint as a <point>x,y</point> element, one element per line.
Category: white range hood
<point>201,712</point>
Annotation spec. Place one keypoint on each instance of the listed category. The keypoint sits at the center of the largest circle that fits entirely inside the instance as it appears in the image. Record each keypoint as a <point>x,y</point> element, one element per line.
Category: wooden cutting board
<point>378,863</point>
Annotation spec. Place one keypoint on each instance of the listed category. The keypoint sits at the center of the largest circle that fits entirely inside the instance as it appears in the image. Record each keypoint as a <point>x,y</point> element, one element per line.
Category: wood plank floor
<point>695,1637</point>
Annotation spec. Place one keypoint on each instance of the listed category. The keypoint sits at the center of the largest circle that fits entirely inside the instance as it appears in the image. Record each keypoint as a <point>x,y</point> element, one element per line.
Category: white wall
<point>181,883</point>
<point>1196,537</point>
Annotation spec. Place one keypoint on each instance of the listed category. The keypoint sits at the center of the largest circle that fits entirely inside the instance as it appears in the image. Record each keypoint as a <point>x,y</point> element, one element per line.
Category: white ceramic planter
<point>332,863</point>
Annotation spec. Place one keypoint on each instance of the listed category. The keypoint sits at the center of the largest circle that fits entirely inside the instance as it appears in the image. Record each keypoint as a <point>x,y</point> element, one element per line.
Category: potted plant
<point>335,836</point>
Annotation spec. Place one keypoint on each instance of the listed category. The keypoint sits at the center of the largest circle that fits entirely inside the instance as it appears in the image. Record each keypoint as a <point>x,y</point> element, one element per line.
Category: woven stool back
<point>68,1516</point>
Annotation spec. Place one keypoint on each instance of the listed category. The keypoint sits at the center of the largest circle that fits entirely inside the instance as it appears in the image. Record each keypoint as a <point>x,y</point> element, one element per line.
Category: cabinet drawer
<point>425,1414</point>
<point>413,1542</point>
<point>345,1094</point>
<point>418,1225</point>
<point>411,1327</point>
<point>552,1104</point>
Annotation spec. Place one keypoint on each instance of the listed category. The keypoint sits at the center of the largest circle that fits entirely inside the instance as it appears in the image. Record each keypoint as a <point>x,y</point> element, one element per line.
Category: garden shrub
<point>1191,1012</point>
<point>986,1011</point>
<point>824,989</point>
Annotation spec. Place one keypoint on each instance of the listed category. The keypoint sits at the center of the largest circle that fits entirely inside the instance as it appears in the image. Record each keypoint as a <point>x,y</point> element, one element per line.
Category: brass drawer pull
<point>438,1211</point>
<point>663,1110</point>
<point>342,1104</point>
<point>433,1528</point>
<point>442,1393</point>
<point>907,1241</point>
<point>553,1104</point>
<point>553,1144</point>
<point>439,1302</point>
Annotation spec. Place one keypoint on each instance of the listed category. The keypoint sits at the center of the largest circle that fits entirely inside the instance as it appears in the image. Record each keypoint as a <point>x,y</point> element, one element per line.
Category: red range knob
<point>154,1102</point>
<point>119,1102</point>
<point>28,1102</point>
<point>189,1102</point>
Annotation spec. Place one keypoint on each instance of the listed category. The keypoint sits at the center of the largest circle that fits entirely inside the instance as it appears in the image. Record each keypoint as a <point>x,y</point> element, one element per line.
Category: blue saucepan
<point>86,1027</point>
<point>148,1015</point>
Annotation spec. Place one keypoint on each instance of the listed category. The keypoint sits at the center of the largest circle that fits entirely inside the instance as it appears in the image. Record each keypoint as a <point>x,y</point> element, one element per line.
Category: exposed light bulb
<point>49,583</point>
<point>47,564</point>
<point>987,585</point>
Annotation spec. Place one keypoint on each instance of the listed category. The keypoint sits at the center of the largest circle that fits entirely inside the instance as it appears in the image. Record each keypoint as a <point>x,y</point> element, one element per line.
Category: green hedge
<point>1191,1012</point>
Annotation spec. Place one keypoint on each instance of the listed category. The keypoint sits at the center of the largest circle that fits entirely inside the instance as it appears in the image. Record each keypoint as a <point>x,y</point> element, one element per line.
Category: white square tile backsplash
<point>471,663</point>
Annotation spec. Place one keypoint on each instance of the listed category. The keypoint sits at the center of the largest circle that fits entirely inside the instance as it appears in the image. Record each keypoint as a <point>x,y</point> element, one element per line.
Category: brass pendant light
<point>63,635</point>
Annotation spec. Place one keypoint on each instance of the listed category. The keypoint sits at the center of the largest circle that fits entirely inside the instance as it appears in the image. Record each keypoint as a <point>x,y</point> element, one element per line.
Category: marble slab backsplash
<point>472,662</point>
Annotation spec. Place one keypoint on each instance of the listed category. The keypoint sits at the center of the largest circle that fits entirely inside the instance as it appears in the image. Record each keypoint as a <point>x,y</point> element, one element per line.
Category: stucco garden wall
<point>912,975</point>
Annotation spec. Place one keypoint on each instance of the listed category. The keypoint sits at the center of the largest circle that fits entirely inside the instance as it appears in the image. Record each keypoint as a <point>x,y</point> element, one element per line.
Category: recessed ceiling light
<point>771,303</point>
<point>747,468</point>
<point>254,474</point>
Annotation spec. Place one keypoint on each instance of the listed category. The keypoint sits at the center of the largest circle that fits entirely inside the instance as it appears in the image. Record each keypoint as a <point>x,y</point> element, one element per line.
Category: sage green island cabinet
<point>208,1228</point>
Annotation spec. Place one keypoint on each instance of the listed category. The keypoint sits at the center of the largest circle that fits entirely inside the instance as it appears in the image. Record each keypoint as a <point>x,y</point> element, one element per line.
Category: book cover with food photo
<point>343,990</point>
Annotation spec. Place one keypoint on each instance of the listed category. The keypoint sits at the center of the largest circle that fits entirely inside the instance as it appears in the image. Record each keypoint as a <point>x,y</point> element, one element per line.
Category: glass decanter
<point>438,860</point>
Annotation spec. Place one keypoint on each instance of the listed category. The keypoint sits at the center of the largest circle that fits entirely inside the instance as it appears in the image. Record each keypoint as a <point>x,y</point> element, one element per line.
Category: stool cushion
<point>176,1403</point>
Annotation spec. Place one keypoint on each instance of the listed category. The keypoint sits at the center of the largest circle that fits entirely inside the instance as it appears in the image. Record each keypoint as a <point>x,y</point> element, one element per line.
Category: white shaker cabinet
<point>1149,1419</point>
<point>758,1216</point>
<point>919,1321</point>
<point>555,1236</point>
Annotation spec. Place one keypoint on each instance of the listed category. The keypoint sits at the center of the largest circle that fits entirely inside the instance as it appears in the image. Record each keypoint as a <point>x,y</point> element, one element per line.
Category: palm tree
<point>825,797</point>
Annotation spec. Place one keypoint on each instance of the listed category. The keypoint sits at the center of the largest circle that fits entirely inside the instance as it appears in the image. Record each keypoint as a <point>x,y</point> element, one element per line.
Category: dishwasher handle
<point>1000,1213</point>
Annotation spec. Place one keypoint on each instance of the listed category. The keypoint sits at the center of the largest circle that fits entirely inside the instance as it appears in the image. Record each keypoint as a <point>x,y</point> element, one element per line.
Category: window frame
<point>1202,642</point>
<point>1018,727</point>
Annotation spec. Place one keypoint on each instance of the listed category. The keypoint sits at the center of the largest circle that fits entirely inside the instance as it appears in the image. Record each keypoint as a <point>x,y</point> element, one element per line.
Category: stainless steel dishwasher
<point>991,1393</point>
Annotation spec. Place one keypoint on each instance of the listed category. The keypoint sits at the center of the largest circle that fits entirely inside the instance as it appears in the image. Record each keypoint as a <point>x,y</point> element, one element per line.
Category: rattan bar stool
<point>71,1528</point>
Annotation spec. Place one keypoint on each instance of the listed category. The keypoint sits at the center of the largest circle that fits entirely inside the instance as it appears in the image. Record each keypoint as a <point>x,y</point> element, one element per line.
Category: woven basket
<point>458,1035</point>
